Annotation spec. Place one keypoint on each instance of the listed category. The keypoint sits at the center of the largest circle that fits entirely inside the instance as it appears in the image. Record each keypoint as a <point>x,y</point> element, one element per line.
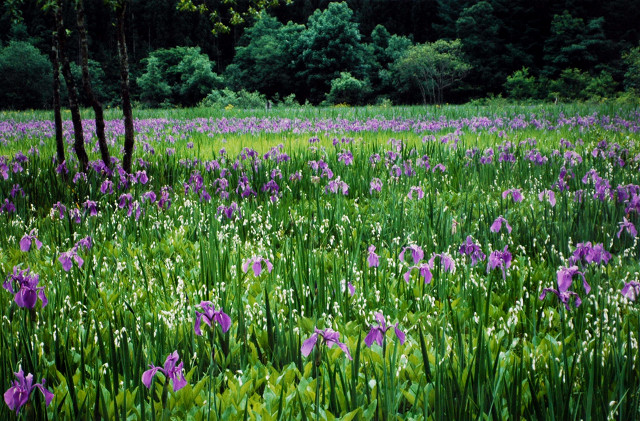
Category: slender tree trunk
<point>86,83</point>
<point>124,87</point>
<point>56,99</point>
<point>78,135</point>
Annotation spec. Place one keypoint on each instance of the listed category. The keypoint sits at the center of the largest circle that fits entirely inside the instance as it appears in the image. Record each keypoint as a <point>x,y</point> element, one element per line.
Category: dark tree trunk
<point>78,135</point>
<point>56,100</point>
<point>124,87</point>
<point>86,83</point>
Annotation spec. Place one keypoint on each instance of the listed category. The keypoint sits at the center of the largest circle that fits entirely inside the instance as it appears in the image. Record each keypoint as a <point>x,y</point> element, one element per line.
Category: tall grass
<point>479,344</point>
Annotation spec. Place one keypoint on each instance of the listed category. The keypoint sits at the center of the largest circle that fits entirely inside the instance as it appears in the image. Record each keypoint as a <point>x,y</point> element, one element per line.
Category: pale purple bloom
<point>18,394</point>
<point>351,288</point>
<point>256,265</point>
<point>15,190</point>
<point>141,177</point>
<point>565,278</point>
<point>416,253</point>
<point>211,315</point>
<point>417,191</point>
<point>551,197</point>
<point>497,225</point>
<point>631,290</point>
<point>60,208</point>
<point>336,186</point>
<point>346,157</point>
<point>28,290</point>
<point>79,176</point>
<point>515,194</point>
<point>563,294</point>
<point>439,167</point>
<point>27,241</point>
<point>7,207</point>
<point>376,184</point>
<point>376,333</point>
<point>106,187</point>
<point>373,259</point>
<point>329,337</point>
<point>91,207</point>
<point>85,243</point>
<point>626,224</point>
<point>500,259</point>
<point>62,168</point>
<point>588,253</point>
<point>170,370</point>
<point>469,248</point>
<point>424,270</point>
<point>66,259</point>
<point>448,264</point>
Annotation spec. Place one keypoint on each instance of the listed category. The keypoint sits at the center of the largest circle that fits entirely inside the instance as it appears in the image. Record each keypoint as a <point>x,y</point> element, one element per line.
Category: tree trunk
<point>78,135</point>
<point>124,87</point>
<point>86,83</point>
<point>56,100</point>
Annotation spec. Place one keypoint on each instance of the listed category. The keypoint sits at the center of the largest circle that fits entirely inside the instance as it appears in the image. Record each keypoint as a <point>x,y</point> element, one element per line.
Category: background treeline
<point>354,52</point>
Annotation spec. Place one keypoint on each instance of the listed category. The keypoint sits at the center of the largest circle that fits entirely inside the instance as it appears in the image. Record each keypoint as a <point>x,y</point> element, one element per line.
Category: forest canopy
<point>353,52</point>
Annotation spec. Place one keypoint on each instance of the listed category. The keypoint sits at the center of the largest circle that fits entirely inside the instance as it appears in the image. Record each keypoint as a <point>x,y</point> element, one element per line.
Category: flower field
<point>455,263</point>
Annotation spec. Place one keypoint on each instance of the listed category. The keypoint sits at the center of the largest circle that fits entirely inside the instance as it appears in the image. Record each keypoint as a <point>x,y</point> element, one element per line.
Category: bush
<point>520,85</point>
<point>180,75</point>
<point>26,77</point>
<point>346,89</point>
<point>241,99</point>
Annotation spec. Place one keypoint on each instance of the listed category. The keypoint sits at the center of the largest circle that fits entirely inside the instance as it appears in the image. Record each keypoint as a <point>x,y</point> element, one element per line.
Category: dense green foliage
<point>25,77</point>
<point>300,48</point>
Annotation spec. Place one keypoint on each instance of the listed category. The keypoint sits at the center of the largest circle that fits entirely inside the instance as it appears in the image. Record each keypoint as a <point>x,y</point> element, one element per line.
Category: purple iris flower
<point>141,177</point>
<point>469,248</point>
<point>170,371</point>
<point>515,194</point>
<point>416,253</point>
<point>256,265</point>
<point>565,278</point>
<point>7,207</point>
<point>373,258</point>
<point>15,190</point>
<point>62,168</point>
<point>211,315</point>
<point>424,270</point>
<point>417,191</point>
<point>66,259</point>
<point>563,295</point>
<point>17,395</point>
<point>149,196</point>
<point>351,288</point>
<point>91,207</point>
<point>346,157</point>
<point>106,187</point>
<point>60,208</point>
<point>500,259</point>
<point>336,186</point>
<point>329,337</point>
<point>85,243</point>
<point>376,333</point>
<point>28,290</point>
<point>631,290</point>
<point>79,176</point>
<point>376,184</point>
<point>626,224</point>
<point>551,197</point>
<point>439,167</point>
<point>448,264</point>
<point>588,253</point>
<point>497,225</point>
<point>27,241</point>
